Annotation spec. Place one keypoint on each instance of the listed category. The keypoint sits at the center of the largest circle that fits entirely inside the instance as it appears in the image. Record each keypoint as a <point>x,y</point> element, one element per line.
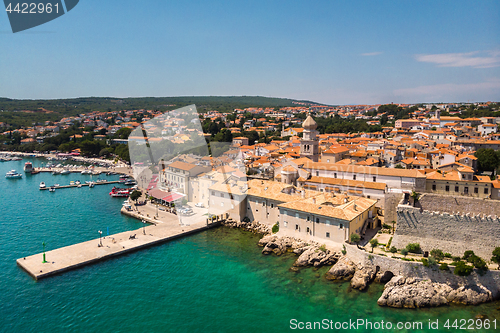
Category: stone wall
<point>462,205</point>
<point>491,280</point>
<point>390,205</point>
<point>451,232</point>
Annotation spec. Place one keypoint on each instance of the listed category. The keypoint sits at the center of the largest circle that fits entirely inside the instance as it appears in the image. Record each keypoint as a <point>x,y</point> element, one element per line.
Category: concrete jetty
<point>86,253</point>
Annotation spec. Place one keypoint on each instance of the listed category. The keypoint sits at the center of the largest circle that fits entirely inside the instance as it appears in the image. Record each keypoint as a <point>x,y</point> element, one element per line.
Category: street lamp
<point>44,261</point>
<point>100,239</point>
<point>143,227</point>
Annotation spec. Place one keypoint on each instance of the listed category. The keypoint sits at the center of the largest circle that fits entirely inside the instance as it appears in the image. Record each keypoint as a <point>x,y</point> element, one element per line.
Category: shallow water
<point>215,281</point>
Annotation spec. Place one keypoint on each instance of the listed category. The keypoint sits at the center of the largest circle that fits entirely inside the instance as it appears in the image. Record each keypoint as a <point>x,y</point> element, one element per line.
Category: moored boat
<point>52,189</point>
<point>13,174</point>
<point>28,167</point>
<point>42,185</point>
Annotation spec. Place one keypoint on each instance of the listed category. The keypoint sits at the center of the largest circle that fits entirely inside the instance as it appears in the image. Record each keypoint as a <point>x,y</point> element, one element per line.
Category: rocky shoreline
<point>399,291</point>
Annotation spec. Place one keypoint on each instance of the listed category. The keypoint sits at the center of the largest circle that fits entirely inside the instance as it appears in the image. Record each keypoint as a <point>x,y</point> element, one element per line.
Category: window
<point>222,195</point>
<point>284,212</point>
<point>463,176</point>
<point>335,175</point>
<point>341,226</point>
<point>307,230</point>
<point>296,227</point>
<point>433,187</point>
<point>447,188</point>
<point>297,215</point>
<point>308,218</point>
<point>317,173</point>
<point>354,177</point>
<point>476,190</point>
<point>263,203</point>
<point>456,188</point>
<point>213,193</point>
<point>466,190</point>
<point>272,205</point>
<point>486,191</point>
<point>328,222</point>
<point>317,220</point>
<point>327,235</point>
<point>374,179</point>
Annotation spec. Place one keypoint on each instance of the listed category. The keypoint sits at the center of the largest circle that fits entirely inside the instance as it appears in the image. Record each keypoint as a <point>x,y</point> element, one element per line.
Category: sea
<point>213,281</point>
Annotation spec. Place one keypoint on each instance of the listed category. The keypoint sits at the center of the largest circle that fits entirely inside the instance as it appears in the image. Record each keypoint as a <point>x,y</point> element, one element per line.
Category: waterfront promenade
<point>82,254</point>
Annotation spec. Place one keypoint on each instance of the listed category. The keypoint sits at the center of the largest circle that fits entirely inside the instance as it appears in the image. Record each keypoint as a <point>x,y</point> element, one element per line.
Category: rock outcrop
<point>383,276</point>
<point>403,292</point>
<point>313,256</point>
<point>344,269</point>
<point>362,277</point>
<point>309,254</point>
<point>255,226</point>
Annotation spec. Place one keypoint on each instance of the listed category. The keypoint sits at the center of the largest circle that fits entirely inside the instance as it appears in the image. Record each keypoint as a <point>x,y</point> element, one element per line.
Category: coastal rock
<point>313,256</point>
<point>344,269</point>
<point>362,277</point>
<point>383,276</point>
<point>470,295</point>
<point>267,239</point>
<point>403,292</point>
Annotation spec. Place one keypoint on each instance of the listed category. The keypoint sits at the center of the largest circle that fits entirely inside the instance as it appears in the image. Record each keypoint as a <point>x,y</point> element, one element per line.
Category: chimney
<point>314,200</point>
<point>355,207</point>
<point>303,193</point>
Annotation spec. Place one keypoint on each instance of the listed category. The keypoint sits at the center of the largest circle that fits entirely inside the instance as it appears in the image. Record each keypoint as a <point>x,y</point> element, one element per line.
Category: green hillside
<point>27,112</point>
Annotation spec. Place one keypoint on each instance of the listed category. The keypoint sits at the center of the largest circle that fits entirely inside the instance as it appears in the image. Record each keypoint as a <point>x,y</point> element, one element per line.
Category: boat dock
<point>90,252</point>
<point>83,184</point>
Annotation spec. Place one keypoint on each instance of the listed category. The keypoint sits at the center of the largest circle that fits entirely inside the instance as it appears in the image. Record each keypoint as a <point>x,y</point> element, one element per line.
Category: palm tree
<point>415,197</point>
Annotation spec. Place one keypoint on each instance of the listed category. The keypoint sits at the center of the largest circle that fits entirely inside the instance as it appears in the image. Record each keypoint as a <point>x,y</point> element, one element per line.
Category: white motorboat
<point>28,167</point>
<point>65,172</point>
<point>42,185</point>
<point>52,189</point>
<point>13,174</point>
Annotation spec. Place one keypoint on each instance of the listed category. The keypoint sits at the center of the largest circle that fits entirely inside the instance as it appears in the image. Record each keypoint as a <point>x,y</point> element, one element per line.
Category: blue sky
<point>335,52</point>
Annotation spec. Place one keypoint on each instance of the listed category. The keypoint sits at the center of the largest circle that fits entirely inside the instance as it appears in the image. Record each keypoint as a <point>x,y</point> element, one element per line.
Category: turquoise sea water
<point>215,281</point>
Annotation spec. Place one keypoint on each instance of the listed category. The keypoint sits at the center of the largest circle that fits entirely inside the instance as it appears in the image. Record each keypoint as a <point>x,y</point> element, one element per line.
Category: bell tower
<point>309,145</point>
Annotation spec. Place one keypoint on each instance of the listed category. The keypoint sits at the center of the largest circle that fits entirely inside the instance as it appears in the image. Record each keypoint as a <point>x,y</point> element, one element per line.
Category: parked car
<point>200,205</point>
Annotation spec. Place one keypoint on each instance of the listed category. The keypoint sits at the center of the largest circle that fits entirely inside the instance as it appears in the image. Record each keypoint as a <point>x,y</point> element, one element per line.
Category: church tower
<point>309,145</point>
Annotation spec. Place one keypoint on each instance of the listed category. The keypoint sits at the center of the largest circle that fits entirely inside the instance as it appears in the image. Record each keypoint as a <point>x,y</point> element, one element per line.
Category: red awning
<point>158,194</point>
<point>172,197</point>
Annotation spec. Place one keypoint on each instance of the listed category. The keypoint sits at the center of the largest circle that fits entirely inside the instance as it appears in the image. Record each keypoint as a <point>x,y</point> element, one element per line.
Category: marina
<point>81,185</point>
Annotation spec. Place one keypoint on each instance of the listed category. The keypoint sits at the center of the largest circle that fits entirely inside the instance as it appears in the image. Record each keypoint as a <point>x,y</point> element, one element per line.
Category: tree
<point>123,133</point>
<point>461,269</point>
<point>437,254</point>
<point>373,243</point>
<point>135,195</point>
<point>496,256</point>
<point>413,248</point>
<point>415,197</point>
<point>404,252</point>
<point>467,255</point>
<point>487,159</point>
<point>355,238</point>
<point>398,166</point>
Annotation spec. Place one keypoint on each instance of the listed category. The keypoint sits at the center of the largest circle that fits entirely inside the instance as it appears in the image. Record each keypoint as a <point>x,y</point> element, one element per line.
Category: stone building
<point>309,145</point>
<point>327,216</point>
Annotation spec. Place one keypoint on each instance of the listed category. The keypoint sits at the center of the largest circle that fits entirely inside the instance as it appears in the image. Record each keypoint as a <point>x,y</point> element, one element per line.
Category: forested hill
<point>27,112</point>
